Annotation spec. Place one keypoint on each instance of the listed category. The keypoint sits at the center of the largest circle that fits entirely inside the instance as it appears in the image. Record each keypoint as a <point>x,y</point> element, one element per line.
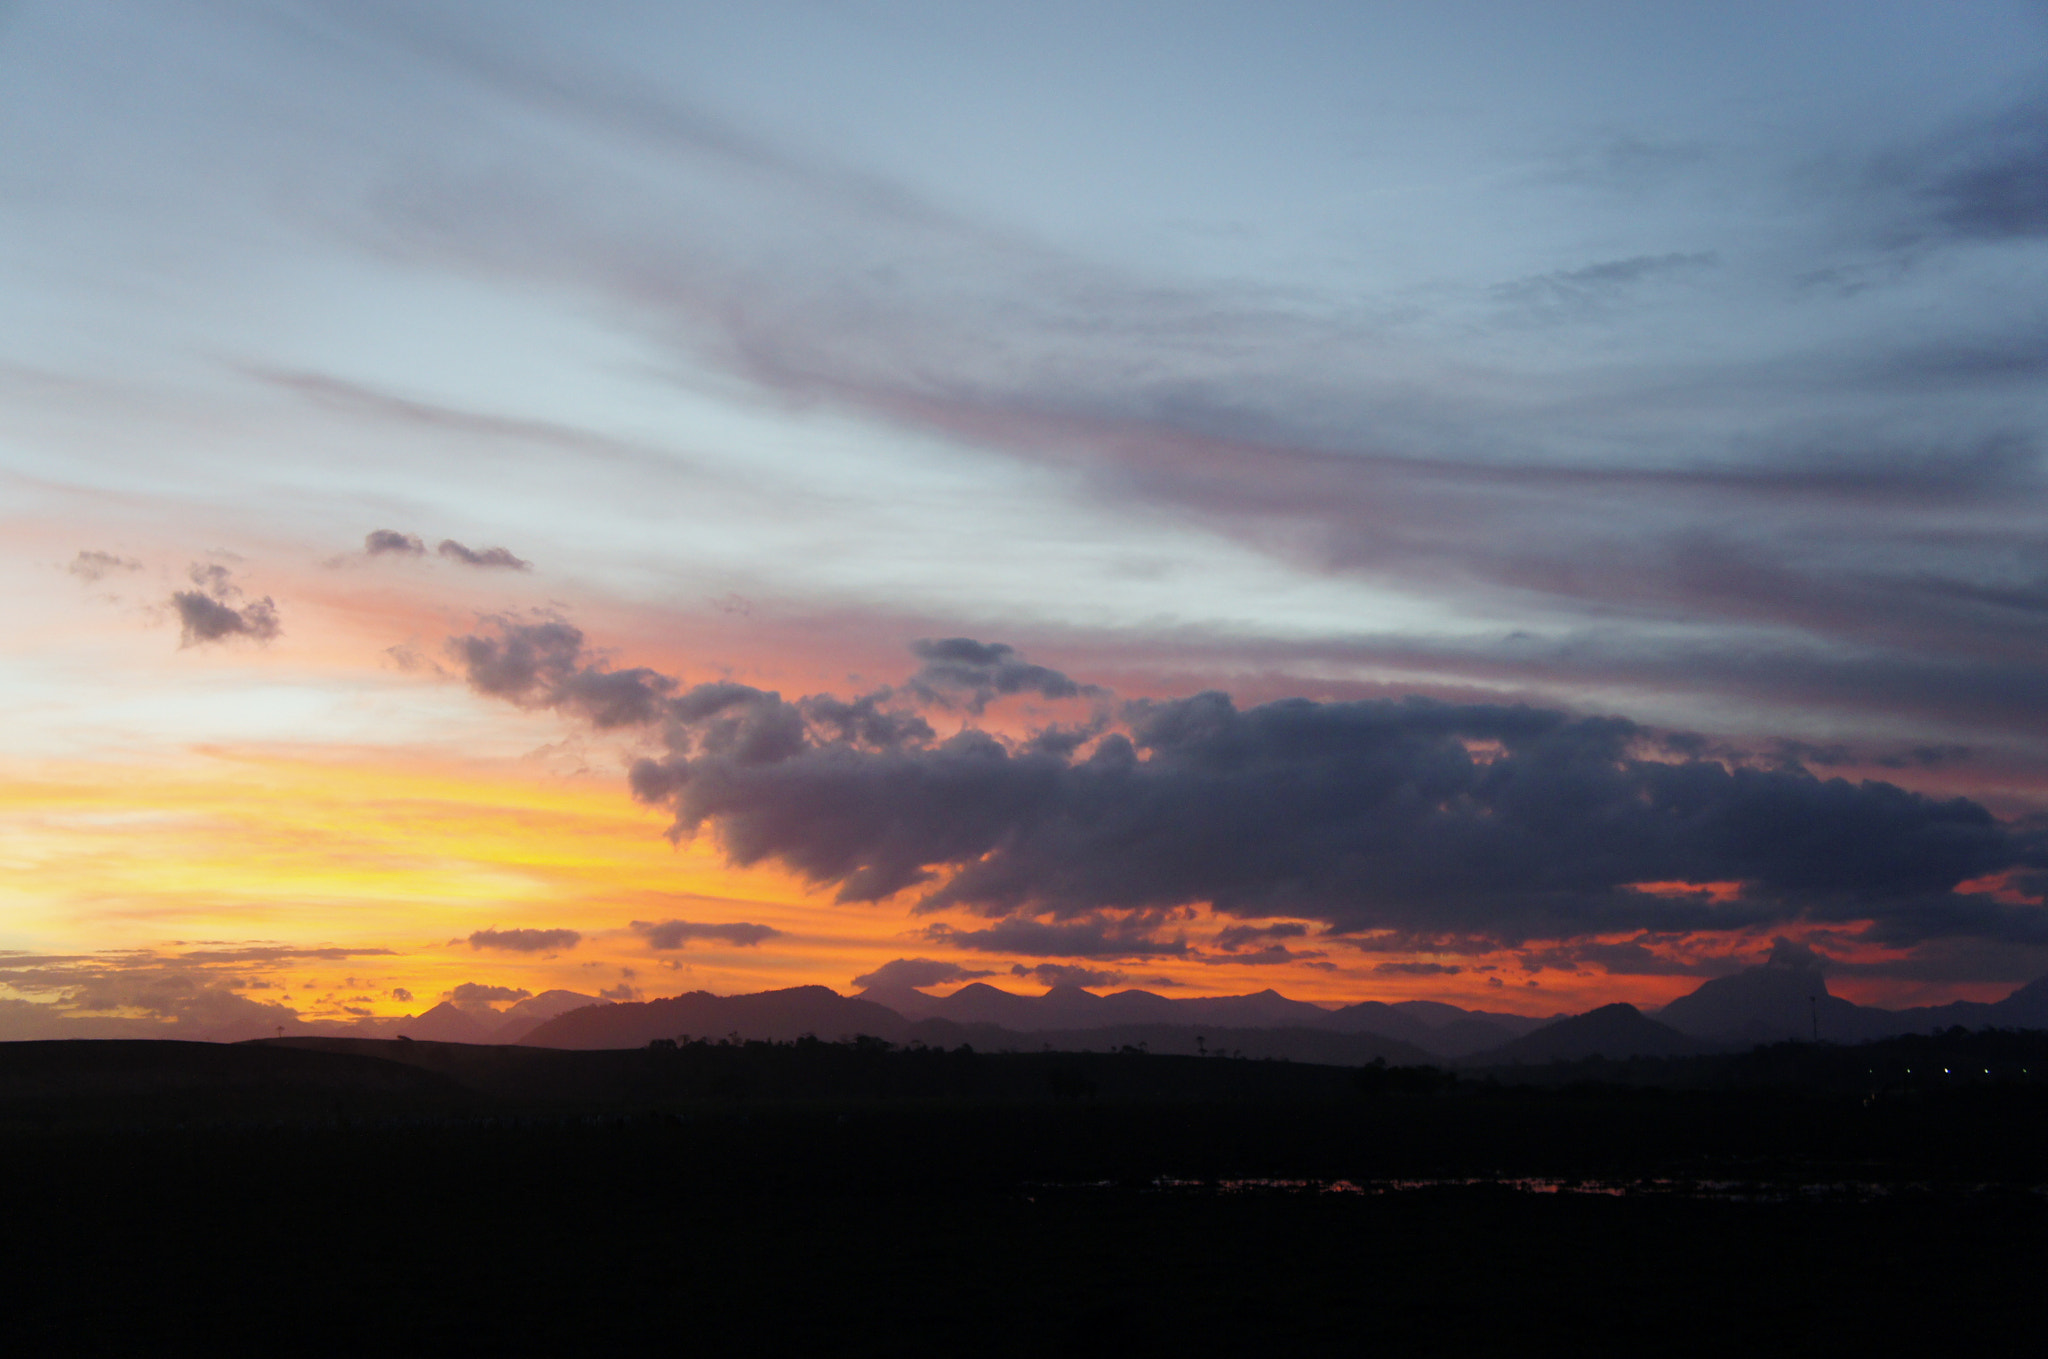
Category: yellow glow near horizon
<point>394,850</point>
<point>401,855</point>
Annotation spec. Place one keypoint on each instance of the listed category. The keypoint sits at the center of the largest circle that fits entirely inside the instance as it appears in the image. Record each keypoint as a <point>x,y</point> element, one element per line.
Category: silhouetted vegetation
<point>1377,1078</point>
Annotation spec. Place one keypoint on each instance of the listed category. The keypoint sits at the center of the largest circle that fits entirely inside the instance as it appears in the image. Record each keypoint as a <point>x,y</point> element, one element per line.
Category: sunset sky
<point>1518,504</point>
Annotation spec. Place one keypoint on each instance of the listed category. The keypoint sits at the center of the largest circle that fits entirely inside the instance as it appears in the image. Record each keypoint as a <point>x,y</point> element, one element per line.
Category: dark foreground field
<point>335,1201</point>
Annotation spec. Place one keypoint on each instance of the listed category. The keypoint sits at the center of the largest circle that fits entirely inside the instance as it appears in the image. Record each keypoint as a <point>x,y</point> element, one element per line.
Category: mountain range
<point>1769,1003</point>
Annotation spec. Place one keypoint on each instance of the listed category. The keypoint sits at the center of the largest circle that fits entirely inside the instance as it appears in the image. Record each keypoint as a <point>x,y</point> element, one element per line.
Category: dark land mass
<point>1774,1002</point>
<point>1621,1030</point>
<point>801,1011</point>
<point>351,1195</point>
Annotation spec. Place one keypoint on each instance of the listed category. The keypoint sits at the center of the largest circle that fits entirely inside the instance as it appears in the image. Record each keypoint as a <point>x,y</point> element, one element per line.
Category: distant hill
<point>1434,1028</point>
<point>517,1020</point>
<point>1444,1030</point>
<point>1185,1040</point>
<point>1773,1004</point>
<point>775,1015</point>
<point>816,1010</point>
<point>1766,1004</point>
<point>451,1023</point>
<point>445,1023</point>
<point>1613,1031</point>
<point>1071,1008</point>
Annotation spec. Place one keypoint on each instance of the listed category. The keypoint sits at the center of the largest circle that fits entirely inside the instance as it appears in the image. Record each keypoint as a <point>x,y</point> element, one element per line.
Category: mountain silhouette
<point>1773,1003</point>
<point>775,1015</point>
<point>1438,1028</point>
<point>448,1023</point>
<point>1432,1027</point>
<point>2026,1008</point>
<point>516,1021</point>
<point>789,1014</point>
<point>1613,1031</point>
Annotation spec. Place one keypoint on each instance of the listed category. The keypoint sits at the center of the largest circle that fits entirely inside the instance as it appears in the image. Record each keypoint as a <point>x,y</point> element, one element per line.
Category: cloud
<point>1098,936</point>
<point>1235,937</point>
<point>525,941</point>
<point>1419,969</point>
<point>976,673</point>
<point>1596,482</point>
<point>917,972</point>
<point>490,557</point>
<point>1260,957</point>
<point>208,620</point>
<point>1068,974</point>
<point>624,991</point>
<point>542,665</point>
<point>479,995</point>
<point>668,934</point>
<point>382,542</point>
<point>1989,180</point>
<point>138,995</point>
<point>399,993</point>
<point>1795,956</point>
<point>214,612</point>
<point>1634,958</point>
<point>275,953</point>
<point>1362,816</point>
<point>1590,286</point>
<point>96,566</point>
<point>142,992</point>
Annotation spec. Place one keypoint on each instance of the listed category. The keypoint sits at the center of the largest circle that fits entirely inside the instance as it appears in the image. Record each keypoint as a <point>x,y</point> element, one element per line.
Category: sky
<point>1525,505</point>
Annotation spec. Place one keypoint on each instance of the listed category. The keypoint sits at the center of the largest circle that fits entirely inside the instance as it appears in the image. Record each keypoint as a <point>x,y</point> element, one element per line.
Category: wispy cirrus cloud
<point>526,940</point>
<point>95,566</point>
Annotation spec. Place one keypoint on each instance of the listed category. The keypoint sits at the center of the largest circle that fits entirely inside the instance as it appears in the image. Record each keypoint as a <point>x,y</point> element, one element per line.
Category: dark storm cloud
<point>382,542</point>
<point>525,941</point>
<point>94,566</point>
<point>672,934</point>
<point>214,612</point>
<point>484,556</point>
<point>1434,820</point>
<point>917,972</point>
